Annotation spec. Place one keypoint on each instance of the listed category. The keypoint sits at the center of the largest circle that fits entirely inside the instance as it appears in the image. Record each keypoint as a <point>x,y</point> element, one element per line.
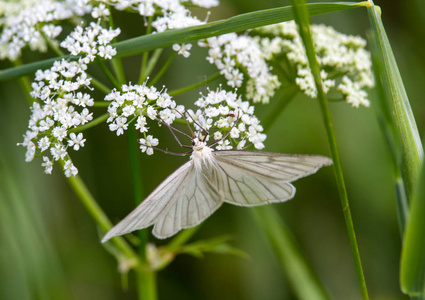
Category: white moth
<point>199,187</point>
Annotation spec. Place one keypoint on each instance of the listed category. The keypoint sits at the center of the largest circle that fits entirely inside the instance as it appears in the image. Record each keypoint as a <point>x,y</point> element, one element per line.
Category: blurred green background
<point>49,245</point>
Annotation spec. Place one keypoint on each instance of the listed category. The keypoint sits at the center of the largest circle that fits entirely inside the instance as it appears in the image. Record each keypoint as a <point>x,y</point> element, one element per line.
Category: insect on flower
<point>200,186</point>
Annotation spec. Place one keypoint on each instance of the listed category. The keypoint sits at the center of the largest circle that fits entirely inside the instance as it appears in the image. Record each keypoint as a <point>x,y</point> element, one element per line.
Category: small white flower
<point>70,169</point>
<point>119,126</point>
<point>58,152</point>
<point>141,124</point>
<point>29,155</point>
<point>218,135</point>
<point>107,52</point>
<point>147,144</point>
<point>183,49</point>
<point>76,141</point>
<point>47,164</point>
<point>100,11</point>
<point>44,143</point>
<point>59,132</point>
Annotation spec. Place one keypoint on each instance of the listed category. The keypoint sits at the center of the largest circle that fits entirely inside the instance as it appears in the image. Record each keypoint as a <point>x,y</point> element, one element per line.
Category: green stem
<point>151,64</point>
<point>93,123</point>
<point>182,238</point>
<point>283,102</point>
<point>143,73</point>
<point>145,276</point>
<point>99,85</point>
<point>116,61</point>
<point>109,74</point>
<point>163,69</point>
<point>51,45</point>
<point>137,182</point>
<point>194,86</point>
<point>303,19</point>
<point>25,84</point>
<point>96,212</point>
<point>146,280</point>
<point>118,69</point>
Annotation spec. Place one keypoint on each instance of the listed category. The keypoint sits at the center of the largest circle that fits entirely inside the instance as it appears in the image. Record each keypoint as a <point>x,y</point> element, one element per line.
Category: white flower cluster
<point>60,107</point>
<point>29,22</point>
<point>91,41</point>
<point>339,55</point>
<point>227,119</point>
<point>224,113</point>
<point>169,14</point>
<point>136,102</point>
<point>238,57</point>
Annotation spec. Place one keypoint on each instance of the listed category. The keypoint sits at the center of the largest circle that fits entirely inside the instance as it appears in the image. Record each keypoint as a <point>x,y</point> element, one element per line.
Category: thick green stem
<point>145,276</point>
<point>146,283</point>
<point>303,19</point>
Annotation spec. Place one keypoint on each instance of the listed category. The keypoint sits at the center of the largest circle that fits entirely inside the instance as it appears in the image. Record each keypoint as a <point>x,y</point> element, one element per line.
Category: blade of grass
<point>303,20</point>
<point>388,128</point>
<point>191,34</point>
<point>408,152</point>
<point>398,102</point>
<point>412,271</point>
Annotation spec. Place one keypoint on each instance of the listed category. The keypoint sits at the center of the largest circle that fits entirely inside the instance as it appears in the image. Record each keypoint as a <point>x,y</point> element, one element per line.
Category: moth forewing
<point>153,206</point>
<point>286,167</point>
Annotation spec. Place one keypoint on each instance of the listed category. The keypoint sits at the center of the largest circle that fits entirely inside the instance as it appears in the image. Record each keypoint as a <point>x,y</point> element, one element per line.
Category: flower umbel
<point>221,116</point>
<point>60,107</point>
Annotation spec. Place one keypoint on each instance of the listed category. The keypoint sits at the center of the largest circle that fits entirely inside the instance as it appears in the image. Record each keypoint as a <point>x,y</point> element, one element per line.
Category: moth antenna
<point>167,152</point>
<point>187,123</point>
<point>199,125</point>
<point>243,148</point>
<point>172,129</point>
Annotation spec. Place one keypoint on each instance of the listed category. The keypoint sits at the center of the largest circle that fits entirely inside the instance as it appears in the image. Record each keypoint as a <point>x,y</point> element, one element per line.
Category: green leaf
<point>412,275</point>
<point>186,35</point>
<point>214,245</point>
<point>397,102</point>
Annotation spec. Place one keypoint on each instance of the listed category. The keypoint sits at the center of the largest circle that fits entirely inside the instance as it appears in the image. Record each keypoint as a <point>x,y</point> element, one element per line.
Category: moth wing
<point>197,202</point>
<point>182,200</point>
<point>287,167</point>
<point>155,205</point>
<point>250,178</point>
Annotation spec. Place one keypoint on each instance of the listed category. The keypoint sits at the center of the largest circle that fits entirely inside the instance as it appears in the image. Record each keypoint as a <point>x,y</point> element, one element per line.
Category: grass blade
<point>397,102</point>
<point>186,35</point>
<point>303,21</point>
<point>412,273</point>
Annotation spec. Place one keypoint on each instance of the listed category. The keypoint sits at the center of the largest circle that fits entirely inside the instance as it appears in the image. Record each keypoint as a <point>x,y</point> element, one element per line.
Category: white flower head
<point>147,144</point>
<point>338,54</point>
